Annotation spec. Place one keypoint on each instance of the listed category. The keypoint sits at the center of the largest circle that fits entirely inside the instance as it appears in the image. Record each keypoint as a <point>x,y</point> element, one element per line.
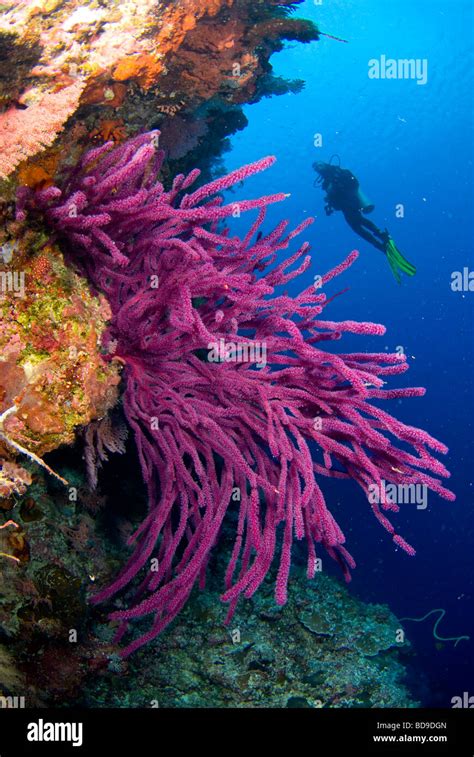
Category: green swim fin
<point>397,262</point>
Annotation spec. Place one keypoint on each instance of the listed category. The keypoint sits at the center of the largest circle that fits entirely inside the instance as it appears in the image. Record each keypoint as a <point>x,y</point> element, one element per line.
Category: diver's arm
<point>328,209</point>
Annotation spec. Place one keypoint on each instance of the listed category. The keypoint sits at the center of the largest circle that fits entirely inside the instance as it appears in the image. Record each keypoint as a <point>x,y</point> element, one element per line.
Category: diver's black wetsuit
<point>342,193</point>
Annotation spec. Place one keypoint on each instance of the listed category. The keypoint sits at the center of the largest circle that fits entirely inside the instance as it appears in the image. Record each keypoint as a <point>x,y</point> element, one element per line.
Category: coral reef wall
<point>76,73</point>
<point>88,70</point>
<point>72,74</point>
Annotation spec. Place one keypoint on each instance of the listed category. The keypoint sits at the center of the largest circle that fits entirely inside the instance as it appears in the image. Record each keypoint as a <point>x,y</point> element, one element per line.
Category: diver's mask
<point>325,170</point>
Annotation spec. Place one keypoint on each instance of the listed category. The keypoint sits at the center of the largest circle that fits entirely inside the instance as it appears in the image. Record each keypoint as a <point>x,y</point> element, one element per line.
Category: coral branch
<point>5,554</point>
<point>9,523</point>
<point>229,391</point>
<point>23,450</point>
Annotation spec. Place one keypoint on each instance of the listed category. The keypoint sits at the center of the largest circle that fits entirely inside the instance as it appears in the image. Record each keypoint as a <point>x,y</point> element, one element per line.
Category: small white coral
<point>22,450</point>
<point>83,16</point>
<point>100,438</point>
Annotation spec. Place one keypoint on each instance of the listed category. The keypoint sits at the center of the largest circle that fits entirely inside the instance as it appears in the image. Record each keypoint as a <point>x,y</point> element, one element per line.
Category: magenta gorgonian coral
<point>213,430</point>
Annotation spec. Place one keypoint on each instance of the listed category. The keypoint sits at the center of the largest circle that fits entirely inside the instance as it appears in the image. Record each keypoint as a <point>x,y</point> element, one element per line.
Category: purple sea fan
<point>192,306</point>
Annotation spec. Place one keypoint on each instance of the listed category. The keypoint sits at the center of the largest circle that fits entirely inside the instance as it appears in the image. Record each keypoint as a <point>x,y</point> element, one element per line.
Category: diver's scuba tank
<point>344,179</point>
<point>365,205</point>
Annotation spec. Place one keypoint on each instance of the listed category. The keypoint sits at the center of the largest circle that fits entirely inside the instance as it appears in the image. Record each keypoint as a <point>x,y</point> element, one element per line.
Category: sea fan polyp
<point>206,429</point>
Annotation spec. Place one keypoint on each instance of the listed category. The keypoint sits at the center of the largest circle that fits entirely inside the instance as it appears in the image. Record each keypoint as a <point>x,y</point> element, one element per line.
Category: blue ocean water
<point>413,144</point>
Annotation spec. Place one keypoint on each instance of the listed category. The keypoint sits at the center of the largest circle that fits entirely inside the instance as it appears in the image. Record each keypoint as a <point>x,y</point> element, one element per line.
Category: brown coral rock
<point>51,366</point>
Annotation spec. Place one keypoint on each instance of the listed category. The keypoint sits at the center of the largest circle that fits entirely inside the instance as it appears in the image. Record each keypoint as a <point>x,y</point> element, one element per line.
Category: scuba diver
<point>343,193</point>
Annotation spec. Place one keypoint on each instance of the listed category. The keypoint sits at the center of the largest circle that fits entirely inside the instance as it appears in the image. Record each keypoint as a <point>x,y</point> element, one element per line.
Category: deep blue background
<point>407,144</point>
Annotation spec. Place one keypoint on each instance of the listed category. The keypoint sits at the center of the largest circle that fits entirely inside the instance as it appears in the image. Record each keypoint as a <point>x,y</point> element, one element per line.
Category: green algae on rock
<point>51,367</point>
